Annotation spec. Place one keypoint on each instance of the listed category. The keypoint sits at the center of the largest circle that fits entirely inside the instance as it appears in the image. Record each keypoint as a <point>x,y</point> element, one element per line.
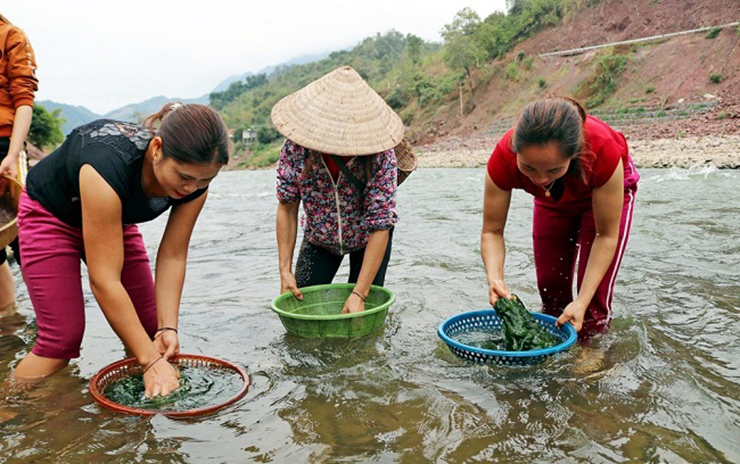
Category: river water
<point>662,386</point>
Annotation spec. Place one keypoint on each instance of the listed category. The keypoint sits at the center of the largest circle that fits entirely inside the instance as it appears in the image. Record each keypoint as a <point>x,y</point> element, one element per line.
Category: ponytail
<point>155,120</point>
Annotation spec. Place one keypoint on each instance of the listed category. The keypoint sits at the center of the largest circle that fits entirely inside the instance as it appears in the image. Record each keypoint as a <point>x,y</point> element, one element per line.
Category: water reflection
<point>661,386</point>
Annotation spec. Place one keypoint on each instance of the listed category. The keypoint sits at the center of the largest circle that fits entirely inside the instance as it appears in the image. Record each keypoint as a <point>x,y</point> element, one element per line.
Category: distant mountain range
<point>137,111</point>
<point>73,115</point>
<point>78,115</point>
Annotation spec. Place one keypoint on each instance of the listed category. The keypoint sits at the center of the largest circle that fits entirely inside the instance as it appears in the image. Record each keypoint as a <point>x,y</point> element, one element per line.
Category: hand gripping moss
<point>487,319</point>
<point>128,367</point>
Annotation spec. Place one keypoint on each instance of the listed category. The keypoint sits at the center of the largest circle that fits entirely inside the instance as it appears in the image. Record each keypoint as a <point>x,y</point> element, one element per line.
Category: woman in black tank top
<point>83,202</point>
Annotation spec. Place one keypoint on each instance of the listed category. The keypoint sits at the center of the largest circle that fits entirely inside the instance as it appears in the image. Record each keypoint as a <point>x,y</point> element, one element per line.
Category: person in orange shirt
<point>18,84</point>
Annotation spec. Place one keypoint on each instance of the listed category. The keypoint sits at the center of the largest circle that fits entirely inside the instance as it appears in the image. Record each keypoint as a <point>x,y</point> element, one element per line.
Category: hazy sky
<point>105,54</point>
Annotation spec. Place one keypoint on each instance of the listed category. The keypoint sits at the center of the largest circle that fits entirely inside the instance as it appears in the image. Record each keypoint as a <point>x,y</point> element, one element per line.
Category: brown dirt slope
<point>670,75</point>
<point>618,20</point>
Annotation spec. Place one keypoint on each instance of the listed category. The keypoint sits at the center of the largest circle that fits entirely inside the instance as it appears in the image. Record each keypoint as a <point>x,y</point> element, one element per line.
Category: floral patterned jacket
<point>337,216</point>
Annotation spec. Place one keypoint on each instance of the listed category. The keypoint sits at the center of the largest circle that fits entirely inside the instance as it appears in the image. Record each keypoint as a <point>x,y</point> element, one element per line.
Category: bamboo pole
<point>578,51</point>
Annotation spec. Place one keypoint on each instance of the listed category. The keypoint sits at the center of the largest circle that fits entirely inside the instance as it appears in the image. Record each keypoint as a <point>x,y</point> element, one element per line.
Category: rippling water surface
<point>662,386</point>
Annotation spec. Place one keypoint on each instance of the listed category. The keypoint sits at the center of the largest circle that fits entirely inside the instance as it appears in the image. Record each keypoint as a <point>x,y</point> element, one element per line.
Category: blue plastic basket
<point>488,319</point>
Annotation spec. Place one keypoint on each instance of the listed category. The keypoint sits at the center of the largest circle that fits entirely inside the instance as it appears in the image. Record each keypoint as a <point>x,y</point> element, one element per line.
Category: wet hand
<point>354,304</point>
<point>498,289</point>
<point>574,314</point>
<point>167,343</point>
<point>160,379</point>
<point>288,284</point>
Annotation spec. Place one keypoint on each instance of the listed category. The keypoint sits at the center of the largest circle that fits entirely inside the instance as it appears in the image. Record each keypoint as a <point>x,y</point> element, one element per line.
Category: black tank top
<point>116,151</point>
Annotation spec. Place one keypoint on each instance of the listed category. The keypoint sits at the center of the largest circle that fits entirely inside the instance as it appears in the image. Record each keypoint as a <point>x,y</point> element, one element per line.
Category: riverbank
<point>720,151</point>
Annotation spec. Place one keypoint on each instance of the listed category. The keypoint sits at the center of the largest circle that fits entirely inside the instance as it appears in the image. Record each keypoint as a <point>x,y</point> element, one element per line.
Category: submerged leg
<point>36,368</point>
<point>52,251</point>
<point>7,285</point>
<point>599,312</point>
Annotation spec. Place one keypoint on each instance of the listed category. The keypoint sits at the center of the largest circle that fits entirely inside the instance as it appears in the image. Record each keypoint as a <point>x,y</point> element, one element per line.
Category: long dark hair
<point>191,133</point>
<point>556,119</point>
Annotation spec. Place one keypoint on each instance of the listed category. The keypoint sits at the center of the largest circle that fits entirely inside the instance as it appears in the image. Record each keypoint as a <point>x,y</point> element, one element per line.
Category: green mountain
<point>224,84</point>
<point>73,115</point>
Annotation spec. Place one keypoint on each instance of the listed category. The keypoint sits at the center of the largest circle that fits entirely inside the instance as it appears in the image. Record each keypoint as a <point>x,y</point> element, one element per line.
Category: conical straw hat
<point>338,114</point>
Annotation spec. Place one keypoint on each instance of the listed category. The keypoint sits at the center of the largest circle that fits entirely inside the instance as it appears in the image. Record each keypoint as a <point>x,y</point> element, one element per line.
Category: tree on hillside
<point>220,99</point>
<point>46,127</point>
<point>496,35</point>
<point>462,49</point>
<point>465,22</point>
<point>464,52</point>
<point>414,44</point>
<point>267,134</point>
<point>531,16</point>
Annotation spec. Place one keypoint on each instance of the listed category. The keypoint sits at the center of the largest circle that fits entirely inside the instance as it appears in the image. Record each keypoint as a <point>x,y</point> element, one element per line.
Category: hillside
<point>683,85</point>
<point>666,79</point>
<point>613,21</point>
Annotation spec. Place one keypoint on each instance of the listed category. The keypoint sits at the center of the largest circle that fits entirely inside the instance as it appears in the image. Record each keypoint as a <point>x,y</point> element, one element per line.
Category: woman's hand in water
<point>354,304</point>
<point>497,289</point>
<point>168,343</point>
<point>574,314</point>
<point>288,284</point>
<point>160,378</point>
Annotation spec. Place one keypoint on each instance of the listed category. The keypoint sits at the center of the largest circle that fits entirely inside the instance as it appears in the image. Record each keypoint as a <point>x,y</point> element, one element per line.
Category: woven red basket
<point>120,369</point>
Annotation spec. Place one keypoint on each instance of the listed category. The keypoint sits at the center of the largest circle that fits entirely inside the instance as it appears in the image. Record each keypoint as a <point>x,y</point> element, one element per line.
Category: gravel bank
<point>721,151</point>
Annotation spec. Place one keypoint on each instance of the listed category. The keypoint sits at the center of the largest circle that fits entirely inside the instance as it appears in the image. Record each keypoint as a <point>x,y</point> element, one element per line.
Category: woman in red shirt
<point>583,181</point>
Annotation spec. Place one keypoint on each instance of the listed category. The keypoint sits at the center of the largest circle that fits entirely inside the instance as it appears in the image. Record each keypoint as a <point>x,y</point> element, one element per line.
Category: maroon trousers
<point>563,236</point>
<point>52,252</point>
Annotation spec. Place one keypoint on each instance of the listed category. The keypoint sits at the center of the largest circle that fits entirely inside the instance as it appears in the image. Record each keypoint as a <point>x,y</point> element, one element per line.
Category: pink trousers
<point>52,252</point>
<point>563,237</point>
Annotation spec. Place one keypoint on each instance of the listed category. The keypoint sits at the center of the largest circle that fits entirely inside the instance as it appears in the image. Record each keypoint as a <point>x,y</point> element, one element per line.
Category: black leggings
<point>4,147</point>
<point>317,266</point>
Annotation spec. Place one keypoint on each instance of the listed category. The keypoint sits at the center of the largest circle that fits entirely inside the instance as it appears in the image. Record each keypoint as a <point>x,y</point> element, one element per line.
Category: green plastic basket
<point>319,314</point>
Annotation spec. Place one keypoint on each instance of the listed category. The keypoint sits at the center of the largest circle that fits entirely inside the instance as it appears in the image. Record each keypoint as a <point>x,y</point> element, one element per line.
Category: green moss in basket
<point>521,330</point>
<point>200,387</point>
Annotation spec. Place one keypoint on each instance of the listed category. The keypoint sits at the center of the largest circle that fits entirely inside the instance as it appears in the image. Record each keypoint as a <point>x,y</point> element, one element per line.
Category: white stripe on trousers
<point>619,256</point>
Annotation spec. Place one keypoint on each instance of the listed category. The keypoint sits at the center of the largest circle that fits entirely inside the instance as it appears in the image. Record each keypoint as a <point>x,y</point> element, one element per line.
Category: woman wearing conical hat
<point>339,161</point>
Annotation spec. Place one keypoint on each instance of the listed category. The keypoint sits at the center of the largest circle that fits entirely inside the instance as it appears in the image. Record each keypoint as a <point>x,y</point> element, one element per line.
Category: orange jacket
<point>17,74</point>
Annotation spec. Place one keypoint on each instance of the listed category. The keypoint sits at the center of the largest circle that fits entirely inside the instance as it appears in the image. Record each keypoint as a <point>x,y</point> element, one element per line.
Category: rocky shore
<point>709,138</point>
<point>720,151</point>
